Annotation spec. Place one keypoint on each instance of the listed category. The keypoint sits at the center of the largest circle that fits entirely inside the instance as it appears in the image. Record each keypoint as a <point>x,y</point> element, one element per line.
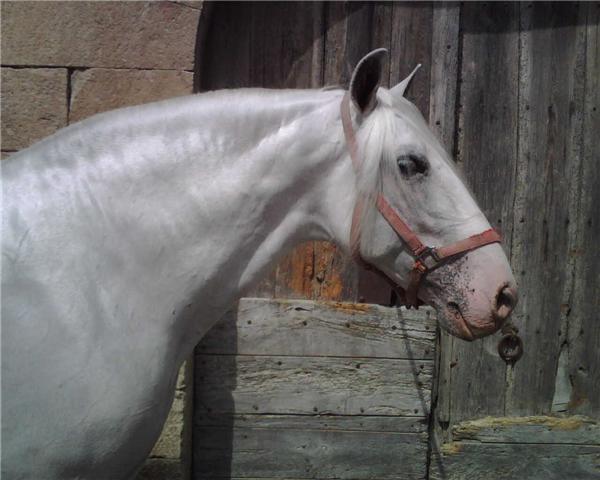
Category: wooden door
<point>310,45</point>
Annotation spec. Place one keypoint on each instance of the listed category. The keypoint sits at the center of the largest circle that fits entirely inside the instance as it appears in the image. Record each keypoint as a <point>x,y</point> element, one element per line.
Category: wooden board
<point>486,149</point>
<point>305,328</point>
<point>444,71</point>
<point>308,385</point>
<point>536,448</point>
<point>411,45</point>
<point>442,105</point>
<point>497,461</point>
<point>546,197</point>
<point>303,357</point>
<point>532,429</point>
<point>311,447</point>
<point>584,319</point>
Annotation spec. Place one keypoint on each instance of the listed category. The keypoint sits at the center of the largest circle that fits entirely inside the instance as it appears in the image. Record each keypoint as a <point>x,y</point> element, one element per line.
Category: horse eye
<point>412,164</point>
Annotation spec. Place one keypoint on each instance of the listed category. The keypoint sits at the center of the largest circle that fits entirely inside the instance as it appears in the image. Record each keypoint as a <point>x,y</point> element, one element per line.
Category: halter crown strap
<point>426,258</point>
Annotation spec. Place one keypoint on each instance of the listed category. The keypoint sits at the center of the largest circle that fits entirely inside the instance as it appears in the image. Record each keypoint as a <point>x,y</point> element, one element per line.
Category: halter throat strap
<point>426,258</point>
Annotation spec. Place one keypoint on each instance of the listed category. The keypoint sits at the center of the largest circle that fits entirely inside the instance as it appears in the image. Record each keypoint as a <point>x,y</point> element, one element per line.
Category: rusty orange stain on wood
<point>350,307</point>
<point>295,272</point>
<point>309,271</point>
<point>328,283</point>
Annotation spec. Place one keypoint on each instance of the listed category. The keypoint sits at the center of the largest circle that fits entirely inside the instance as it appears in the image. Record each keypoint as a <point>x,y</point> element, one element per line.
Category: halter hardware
<point>428,252</point>
<point>426,258</point>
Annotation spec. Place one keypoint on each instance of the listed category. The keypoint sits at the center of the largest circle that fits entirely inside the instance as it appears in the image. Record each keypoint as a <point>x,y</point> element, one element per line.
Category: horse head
<point>415,221</point>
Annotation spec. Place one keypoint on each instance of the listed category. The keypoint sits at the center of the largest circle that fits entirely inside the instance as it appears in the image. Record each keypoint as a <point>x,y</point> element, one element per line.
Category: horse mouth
<point>459,323</point>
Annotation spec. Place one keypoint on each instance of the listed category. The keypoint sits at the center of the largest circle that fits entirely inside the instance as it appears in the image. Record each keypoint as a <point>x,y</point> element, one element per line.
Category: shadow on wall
<point>279,44</point>
<point>286,44</point>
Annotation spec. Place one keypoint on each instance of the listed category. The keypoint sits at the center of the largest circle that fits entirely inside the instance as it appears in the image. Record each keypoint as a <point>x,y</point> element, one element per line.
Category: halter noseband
<point>426,258</point>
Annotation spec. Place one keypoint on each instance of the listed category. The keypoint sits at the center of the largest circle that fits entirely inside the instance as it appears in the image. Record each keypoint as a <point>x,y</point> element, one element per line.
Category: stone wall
<point>65,61</point>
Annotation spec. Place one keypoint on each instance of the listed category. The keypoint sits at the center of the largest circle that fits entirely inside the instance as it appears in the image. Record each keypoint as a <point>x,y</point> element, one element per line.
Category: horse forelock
<point>376,153</point>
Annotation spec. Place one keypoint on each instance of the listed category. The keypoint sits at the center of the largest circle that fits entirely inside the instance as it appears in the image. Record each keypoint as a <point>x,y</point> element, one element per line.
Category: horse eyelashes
<point>412,164</point>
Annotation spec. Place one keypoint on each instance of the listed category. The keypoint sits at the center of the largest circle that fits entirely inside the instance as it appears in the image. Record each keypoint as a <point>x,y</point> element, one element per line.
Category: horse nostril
<point>505,302</point>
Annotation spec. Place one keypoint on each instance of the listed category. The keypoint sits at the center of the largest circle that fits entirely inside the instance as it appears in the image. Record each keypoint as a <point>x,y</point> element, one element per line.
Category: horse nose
<point>506,299</point>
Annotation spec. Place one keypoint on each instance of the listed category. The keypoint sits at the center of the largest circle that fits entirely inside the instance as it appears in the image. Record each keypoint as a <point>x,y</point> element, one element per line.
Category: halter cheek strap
<point>426,258</point>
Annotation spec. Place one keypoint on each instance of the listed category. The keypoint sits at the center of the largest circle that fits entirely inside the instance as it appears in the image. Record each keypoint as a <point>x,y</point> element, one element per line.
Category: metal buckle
<point>426,253</point>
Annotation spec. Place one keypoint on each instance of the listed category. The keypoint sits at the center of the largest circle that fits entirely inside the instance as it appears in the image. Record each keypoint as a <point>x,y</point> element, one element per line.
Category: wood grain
<point>584,319</point>
<point>444,71</point>
<point>546,196</point>
<point>530,429</point>
<point>305,328</point>
<point>300,389</point>
<point>311,447</point>
<point>498,461</point>
<point>442,105</point>
<point>534,447</point>
<point>308,385</point>
<point>411,45</point>
<point>487,151</point>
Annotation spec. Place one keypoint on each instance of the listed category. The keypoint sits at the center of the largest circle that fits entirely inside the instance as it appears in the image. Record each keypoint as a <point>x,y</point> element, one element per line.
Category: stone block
<point>170,457</point>
<point>34,105</point>
<point>99,34</point>
<point>160,469</point>
<point>97,89</point>
<point>170,442</point>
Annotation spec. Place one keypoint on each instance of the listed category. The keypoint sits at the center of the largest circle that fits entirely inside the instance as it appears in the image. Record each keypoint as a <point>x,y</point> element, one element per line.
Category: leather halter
<point>426,258</point>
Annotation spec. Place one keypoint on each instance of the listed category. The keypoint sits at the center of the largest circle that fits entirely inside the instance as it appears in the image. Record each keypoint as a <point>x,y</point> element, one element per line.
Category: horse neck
<point>272,175</point>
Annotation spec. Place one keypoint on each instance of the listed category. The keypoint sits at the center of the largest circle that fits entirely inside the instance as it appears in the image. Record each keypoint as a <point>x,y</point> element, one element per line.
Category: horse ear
<point>398,90</point>
<point>366,79</point>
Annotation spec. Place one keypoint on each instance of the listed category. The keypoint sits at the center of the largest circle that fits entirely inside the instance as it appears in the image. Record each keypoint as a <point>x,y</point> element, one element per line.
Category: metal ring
<point>510,348</point>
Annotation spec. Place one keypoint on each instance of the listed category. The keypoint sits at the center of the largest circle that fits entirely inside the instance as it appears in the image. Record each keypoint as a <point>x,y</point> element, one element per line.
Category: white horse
<point>128,235</point>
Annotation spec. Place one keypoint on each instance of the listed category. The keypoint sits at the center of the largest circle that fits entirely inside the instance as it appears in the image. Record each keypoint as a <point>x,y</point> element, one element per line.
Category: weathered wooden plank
<point>416,425</point>
<point>307,385</point>
<point>487,137</point>
<point>550,88</point>
<point>444,71</point>
<point>382,32</point>
<point>226,33</point>
<point>486,148</point>
<point>498,461</point>
<point>442,102</point>
<point>411,45</point>
<point>541,429</point>
<point>584,320</point>
<point>304,328</point>
<point>304,447</point>
<point>538,447</point>
<point>347,39</point>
